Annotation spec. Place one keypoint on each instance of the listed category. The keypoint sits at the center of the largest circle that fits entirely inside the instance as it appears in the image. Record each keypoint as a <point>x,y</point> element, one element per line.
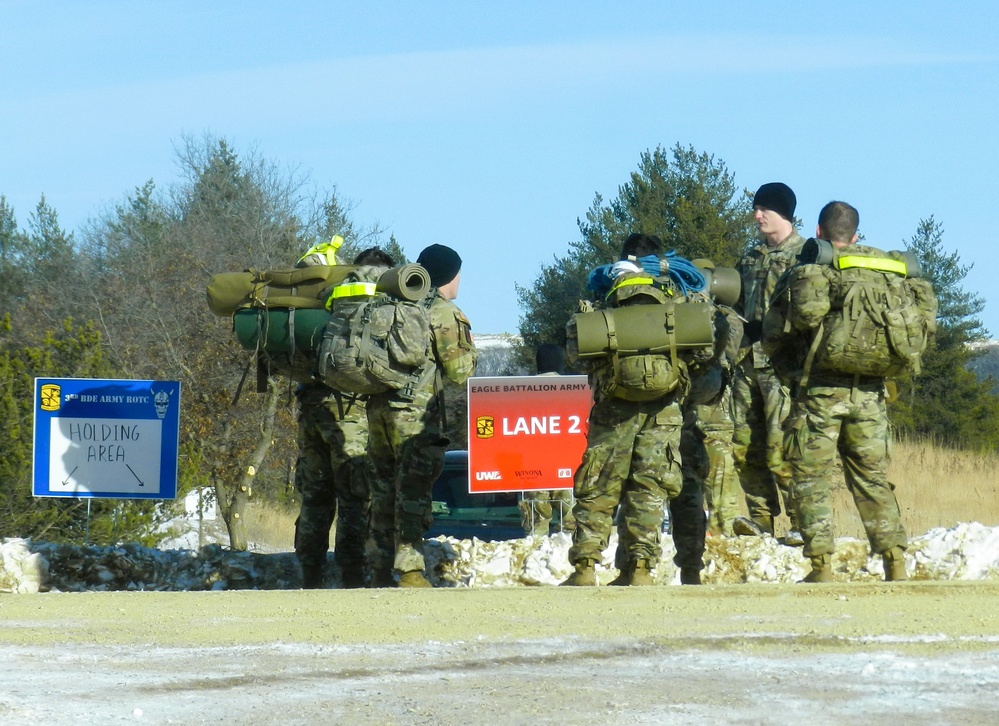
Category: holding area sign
<point>526,433</point>
<point>106,438</point>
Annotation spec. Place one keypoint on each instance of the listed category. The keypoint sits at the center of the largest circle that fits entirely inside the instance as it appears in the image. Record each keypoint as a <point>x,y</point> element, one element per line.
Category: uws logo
<point>488,476</point>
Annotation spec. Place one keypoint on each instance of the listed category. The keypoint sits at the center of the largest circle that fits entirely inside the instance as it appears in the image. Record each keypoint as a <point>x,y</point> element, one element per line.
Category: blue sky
<point>490,127</point>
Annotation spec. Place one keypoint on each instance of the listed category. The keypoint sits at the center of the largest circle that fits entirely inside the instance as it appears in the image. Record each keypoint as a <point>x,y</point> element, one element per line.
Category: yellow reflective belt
<point>634,281</point>
<point>879,264</point>
<point>353,289</point>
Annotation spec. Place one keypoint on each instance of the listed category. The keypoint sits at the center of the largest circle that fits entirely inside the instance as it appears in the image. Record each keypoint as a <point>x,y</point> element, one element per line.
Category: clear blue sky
<point>490,127</point>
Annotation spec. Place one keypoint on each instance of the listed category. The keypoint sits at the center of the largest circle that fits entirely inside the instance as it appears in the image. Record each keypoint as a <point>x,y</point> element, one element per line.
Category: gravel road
<point>919,652</point>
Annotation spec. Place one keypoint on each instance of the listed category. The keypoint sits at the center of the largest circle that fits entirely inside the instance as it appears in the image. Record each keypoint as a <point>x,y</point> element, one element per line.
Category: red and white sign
<point>526,433</point>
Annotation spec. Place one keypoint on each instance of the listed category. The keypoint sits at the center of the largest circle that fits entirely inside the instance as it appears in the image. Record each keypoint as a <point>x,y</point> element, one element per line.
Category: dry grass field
<point>936,487</point>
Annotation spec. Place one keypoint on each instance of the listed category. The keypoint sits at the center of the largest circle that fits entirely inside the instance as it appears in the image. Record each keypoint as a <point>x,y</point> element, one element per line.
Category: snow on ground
<point>969,551</point>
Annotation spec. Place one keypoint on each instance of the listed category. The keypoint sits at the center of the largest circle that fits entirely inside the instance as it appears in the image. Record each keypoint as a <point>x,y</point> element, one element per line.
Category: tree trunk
<point>235,511</point>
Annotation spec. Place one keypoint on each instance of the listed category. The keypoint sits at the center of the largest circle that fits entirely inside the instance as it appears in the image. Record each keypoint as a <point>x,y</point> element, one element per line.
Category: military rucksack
<point>378,338</point>
<point>645,339</point>
<point>280,315</point>
<point>871,312</point>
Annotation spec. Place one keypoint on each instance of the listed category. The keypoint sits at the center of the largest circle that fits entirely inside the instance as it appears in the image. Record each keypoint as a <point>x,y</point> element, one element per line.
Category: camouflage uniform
<point>331,477</point>
<point>686,510</point>
<point>406,445</point>
<point>632,458</point>
<point>760,403</point>
<point>844,416</point>
<point>721,483</point>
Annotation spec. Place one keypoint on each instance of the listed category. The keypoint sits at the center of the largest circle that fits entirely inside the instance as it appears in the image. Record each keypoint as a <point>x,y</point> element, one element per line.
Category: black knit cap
<point>443,264</point>
<point>777,197</point>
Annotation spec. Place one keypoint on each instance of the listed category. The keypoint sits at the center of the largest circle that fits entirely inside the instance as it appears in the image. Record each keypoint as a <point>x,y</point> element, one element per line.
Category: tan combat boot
<point>584,576</point>
<point>821,569</point>
<point>894,560</point>
<point>413,579</point>
<point>641,574</point>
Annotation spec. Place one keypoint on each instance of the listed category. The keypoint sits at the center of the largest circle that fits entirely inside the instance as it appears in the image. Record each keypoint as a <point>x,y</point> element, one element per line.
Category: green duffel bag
<point>277,331</point>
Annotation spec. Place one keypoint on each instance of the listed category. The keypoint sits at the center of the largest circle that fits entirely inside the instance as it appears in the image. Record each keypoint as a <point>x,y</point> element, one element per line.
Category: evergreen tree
<point>688,199</point>
<point>947,402</point>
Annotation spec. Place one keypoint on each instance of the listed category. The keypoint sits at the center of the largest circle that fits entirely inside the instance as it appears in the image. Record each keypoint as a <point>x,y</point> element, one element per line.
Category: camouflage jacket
<point>760,268</point>
<point>454,349</point>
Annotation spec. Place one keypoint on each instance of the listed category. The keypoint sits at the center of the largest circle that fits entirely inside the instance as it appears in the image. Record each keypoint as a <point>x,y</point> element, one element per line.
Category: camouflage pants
<point>331,477</point>
<point>686,511</point>
<point>851,422</point>
<point>406,447</point>
<point>759,406</point>
<point>538,508</point>
<point>632,459</point>
<point>721,487</point>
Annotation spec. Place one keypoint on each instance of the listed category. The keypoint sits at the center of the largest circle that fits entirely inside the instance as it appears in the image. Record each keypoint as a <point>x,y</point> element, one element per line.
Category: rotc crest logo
<point>50,395</point>
<point>485,427</point>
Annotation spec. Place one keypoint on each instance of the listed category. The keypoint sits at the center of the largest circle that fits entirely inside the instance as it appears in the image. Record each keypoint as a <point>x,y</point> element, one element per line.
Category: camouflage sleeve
<point>453,346</point>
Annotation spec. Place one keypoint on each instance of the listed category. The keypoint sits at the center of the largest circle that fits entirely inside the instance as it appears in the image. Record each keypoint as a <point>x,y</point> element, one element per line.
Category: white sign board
<point>106,438</point>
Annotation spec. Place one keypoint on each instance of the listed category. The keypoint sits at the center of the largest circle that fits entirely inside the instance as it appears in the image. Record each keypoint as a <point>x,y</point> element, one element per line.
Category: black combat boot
<point>312,577</point>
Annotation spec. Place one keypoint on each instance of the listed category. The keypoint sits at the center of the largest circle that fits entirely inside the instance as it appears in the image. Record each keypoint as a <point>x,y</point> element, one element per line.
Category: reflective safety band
<point>354,289</point>
<point>879,264</point>
<point>327,250</point>
<point>637,281</point>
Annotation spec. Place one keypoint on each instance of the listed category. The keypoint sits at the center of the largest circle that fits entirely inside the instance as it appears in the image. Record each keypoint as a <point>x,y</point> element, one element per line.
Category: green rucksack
<point>645,340</point>
<point>871,313</point>
<point>378,338</point>
<point>280,315</point>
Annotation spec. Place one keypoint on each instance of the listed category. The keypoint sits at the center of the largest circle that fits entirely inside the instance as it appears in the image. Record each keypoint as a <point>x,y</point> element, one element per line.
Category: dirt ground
<point>922,652</point>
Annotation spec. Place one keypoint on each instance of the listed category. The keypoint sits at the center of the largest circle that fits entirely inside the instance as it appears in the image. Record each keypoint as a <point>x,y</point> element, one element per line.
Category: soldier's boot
<point>894,560</point>
<point>352,577</point>
<point>690,576</point>
<point>641,574</point>
<point>746,527</point>
<point>382,578</point>
<point>584,576</point>
<point>312,577</point>
<point>821,569</point>
<point>413,579</point>
<point>623,578</point>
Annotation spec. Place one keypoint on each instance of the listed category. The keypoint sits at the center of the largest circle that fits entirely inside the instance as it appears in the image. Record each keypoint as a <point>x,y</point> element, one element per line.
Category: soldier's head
<point>444,266</point>
<point>641,245</point>
<point>374,256</point>
<point>549,358</point>
<point>838,223</point>
<point>773,210</point>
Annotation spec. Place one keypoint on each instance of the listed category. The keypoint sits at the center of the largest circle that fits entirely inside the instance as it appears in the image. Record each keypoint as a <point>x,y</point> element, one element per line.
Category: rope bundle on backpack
<point>684,274</point>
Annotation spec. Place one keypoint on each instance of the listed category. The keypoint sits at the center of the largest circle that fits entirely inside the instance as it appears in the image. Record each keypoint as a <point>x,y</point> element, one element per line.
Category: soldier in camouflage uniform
<point>406,442</point>
<point>840,415</point>
<point>632,461</point>
<point>332,472</point>
<point>760,403</point>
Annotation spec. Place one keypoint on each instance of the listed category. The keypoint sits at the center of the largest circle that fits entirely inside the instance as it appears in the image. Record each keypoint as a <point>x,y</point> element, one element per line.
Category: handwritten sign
<point>106,438</point>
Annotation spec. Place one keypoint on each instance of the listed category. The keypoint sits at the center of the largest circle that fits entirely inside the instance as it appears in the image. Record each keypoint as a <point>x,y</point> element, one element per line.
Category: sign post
<point>113,439</point>
<point>526,433</point>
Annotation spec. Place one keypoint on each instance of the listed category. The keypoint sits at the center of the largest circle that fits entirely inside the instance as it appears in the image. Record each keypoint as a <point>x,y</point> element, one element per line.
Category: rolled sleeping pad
<point>406,282</point>
<point>300,287</point>
<point>724,284</point>
<point>644,329</point>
